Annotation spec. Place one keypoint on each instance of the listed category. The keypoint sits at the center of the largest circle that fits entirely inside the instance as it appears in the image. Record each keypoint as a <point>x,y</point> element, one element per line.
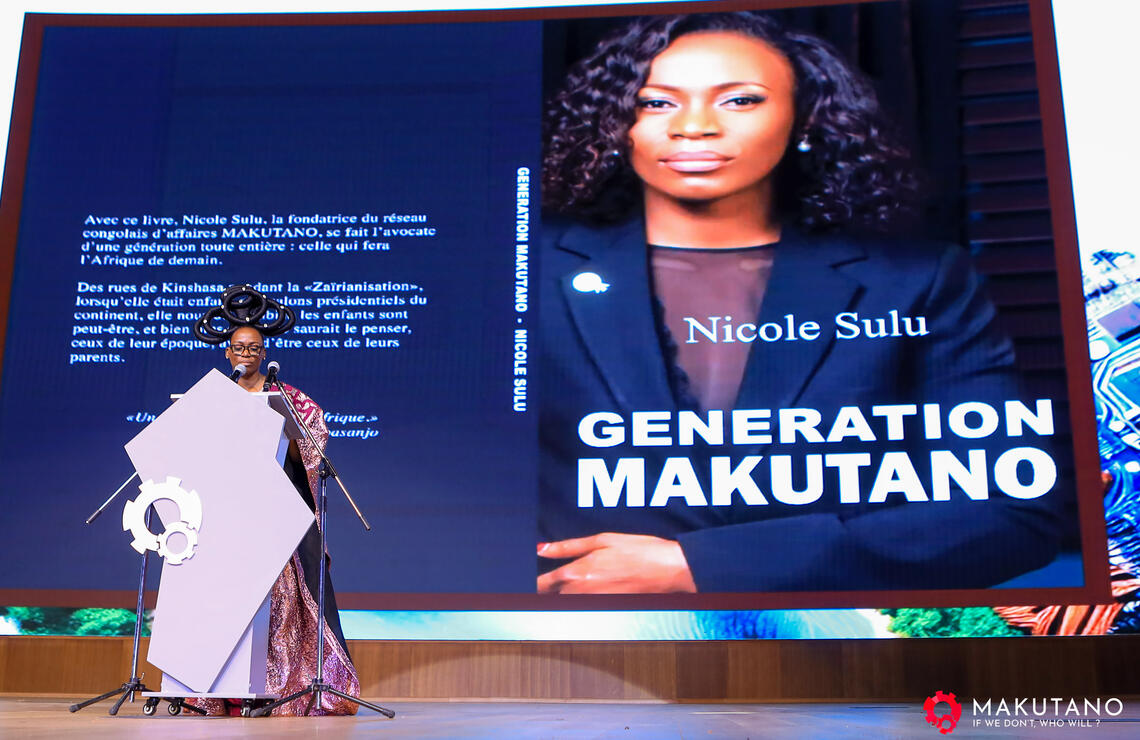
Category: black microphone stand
<point>318,685</point>
<point>135,684</point>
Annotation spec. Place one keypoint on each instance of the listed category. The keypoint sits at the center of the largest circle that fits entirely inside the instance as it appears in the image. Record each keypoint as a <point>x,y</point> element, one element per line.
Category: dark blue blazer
<point>600,351</point>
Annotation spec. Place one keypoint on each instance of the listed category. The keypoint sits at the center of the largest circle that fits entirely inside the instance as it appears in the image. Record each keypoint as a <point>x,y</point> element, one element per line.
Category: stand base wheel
<point>150,706</point>
<point>175,707</point>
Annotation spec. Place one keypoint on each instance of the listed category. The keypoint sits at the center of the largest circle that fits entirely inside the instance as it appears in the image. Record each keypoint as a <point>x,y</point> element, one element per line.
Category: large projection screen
<point>497,376</point>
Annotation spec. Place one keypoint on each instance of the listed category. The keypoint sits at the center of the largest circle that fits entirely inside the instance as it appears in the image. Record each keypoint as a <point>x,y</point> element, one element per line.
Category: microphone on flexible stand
<point>239,372</point>
<point>271,378</point>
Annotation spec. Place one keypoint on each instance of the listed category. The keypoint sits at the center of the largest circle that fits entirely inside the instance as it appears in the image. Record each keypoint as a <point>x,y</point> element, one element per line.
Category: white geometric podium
<point>211,623</point>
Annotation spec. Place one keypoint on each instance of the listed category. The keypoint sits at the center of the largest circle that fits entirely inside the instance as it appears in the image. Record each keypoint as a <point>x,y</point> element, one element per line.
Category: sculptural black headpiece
<point>241,306</point>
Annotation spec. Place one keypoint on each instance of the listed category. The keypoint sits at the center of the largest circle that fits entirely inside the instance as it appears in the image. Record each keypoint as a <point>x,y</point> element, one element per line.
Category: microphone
<point>271,378</point>
<point>239,372</point>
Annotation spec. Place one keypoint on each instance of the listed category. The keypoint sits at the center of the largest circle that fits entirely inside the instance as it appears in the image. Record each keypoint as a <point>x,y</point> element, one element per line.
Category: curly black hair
<point>855,177</point>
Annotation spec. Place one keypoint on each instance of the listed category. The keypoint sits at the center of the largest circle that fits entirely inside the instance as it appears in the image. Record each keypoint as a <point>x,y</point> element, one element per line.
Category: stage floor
<point>31,717</point>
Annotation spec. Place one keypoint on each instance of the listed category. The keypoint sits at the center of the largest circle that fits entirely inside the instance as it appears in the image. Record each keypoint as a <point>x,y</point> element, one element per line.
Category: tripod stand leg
<point>366,704</point>
<point>101,697</point>
<point>127,694</point>
<point>315,691</point>
<point>262,711</point>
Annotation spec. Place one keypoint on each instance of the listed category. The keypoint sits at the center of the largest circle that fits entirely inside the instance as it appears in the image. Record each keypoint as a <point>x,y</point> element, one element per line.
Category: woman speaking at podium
<point>293,621</point>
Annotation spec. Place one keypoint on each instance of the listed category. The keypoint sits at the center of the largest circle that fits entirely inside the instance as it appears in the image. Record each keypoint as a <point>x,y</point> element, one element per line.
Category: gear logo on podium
<point>184,527</point>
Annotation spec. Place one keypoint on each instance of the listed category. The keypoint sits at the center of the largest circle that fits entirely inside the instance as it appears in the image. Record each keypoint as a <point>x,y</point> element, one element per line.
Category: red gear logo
<point>944,722</point>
